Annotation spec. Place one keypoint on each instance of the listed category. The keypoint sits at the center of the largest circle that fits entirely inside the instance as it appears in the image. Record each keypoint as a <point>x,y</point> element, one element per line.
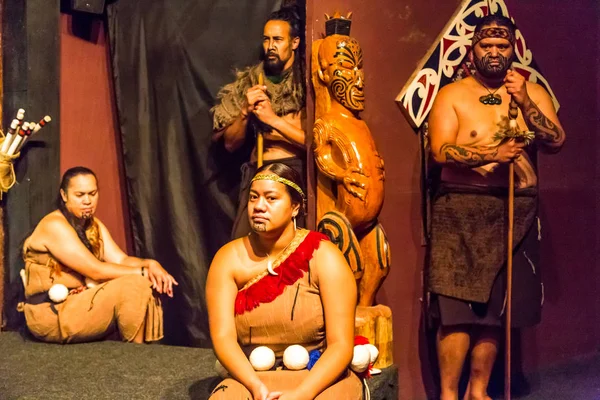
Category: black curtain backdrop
<point>31,61</point>
<point>169,59</point>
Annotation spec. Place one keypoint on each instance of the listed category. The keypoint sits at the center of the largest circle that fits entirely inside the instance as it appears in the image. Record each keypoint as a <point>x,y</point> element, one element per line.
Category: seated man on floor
<point>70,248</point>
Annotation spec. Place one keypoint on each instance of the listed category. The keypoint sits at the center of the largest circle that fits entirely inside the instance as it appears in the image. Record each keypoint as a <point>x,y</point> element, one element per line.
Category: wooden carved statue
<point>350,170</point>
<point>350,185</point>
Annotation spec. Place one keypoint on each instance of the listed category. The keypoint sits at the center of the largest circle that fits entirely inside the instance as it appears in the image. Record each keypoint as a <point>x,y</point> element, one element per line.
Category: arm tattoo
<point>468,156</point>
<point>544,129</point>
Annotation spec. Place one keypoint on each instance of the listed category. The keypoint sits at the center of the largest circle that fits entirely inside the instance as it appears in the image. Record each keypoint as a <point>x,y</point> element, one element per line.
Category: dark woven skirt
<point>527,294</point>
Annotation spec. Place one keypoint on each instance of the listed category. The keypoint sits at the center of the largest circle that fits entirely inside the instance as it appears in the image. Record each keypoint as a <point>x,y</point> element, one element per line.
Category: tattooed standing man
<point>466,272</point>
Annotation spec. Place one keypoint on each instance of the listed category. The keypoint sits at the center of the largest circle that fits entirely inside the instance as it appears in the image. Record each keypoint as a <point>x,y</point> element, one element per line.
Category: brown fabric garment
<point>295,317</point>
<point>121,304</point>
<point>347,388</point>
<point>469,231</point>
<point>42,271</point>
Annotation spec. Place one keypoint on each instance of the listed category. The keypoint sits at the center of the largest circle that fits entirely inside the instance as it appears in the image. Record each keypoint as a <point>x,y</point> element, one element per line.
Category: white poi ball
<point>90,283</point>
<point>23,275</point>
<point>220,370</point>
<point>373,351</point>
<point>360,359</point>
<point>58,293</point>
<point>262,358</point>
<point>295,357</point>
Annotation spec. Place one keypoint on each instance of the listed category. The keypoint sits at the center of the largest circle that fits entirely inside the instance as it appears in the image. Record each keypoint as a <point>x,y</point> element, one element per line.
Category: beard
<point>485,68</point>
<point>273,66</point>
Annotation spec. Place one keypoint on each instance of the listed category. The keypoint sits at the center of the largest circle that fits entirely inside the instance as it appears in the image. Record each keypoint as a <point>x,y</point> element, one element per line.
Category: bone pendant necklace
<point>270,266</point>
<point>270,269</point>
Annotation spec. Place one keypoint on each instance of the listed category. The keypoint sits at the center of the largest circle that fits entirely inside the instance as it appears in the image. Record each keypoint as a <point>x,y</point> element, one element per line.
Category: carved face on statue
<point>341,69</point>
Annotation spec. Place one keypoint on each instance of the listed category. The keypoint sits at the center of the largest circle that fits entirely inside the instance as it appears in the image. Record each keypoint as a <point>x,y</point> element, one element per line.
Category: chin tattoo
<point>259,227</point>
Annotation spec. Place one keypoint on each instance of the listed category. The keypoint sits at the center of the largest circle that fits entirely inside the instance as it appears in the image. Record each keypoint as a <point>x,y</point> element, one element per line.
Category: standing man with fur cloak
<point>275,108</point>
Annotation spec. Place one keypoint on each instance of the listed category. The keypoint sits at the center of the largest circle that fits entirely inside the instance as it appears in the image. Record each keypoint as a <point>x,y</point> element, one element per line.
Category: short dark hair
<point>499,20</point>
<point>289,173</point>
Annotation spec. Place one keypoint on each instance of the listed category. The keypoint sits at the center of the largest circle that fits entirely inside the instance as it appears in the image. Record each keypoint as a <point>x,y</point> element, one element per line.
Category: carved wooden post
<point>350,176</point>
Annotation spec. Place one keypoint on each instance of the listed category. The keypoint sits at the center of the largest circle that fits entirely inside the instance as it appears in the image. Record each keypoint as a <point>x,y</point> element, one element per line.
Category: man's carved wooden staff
<point>259,134</point>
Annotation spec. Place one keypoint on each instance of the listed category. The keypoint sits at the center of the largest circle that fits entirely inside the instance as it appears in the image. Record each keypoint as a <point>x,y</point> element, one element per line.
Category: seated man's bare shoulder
<point>53,226</point>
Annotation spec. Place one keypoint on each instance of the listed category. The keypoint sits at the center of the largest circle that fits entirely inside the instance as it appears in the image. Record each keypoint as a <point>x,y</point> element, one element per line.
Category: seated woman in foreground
<point>70,246</point>
<point>281,286</point>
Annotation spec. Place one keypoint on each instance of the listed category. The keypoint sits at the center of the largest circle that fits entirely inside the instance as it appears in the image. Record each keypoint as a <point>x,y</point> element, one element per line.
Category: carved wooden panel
<point>446,56</point>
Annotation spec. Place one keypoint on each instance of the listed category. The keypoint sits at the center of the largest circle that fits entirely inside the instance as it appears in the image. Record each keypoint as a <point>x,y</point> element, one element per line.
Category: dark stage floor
<point>114,370</point>
<point>576,379</point>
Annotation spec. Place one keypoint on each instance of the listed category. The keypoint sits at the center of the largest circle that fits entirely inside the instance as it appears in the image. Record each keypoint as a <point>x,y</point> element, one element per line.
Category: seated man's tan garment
<point>123,305</point>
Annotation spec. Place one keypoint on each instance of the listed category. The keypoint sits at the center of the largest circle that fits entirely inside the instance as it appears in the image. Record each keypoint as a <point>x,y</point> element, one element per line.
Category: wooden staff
<point>513,112</point>
<point>259,134</point>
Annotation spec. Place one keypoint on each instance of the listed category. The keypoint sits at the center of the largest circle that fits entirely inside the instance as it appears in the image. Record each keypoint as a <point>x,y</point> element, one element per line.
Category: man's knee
<point>483,351</point>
